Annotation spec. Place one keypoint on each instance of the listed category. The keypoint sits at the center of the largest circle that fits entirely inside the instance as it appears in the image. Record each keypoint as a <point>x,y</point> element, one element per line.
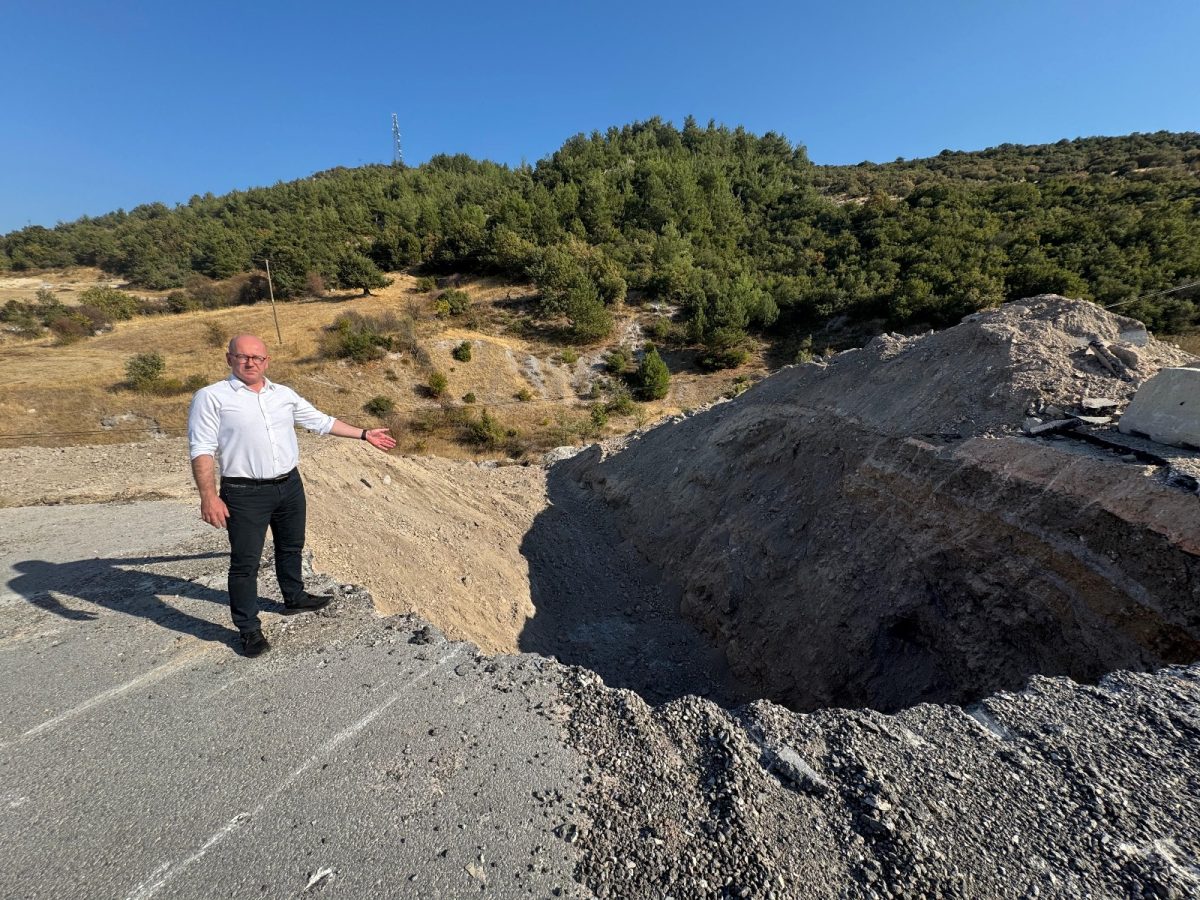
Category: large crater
<point>875,532</point>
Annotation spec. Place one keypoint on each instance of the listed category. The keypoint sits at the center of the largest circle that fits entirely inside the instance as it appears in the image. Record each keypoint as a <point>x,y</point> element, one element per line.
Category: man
<point>248,420</point>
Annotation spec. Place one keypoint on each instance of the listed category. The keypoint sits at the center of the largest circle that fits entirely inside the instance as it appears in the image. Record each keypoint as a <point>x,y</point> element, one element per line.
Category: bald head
<point>247,357</point>
<point>247,343</point>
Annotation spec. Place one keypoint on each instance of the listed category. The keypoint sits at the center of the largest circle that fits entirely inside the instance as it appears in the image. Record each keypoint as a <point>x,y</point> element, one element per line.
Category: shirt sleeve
<point>204,424</point>
<point>308,416</point>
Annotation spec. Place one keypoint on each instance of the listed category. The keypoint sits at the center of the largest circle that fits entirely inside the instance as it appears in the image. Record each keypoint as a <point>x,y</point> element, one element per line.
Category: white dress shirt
<point>252,432</point>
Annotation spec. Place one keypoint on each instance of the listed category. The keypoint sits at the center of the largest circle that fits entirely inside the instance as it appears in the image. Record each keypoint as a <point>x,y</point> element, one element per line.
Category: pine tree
<point>654,378</point>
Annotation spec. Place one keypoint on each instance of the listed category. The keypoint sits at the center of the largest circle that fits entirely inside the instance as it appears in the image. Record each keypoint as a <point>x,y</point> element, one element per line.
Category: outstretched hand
<point>380,439</point>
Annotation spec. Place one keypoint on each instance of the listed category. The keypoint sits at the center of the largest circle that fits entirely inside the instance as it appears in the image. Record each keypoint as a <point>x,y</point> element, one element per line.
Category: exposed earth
<point>815,641</point>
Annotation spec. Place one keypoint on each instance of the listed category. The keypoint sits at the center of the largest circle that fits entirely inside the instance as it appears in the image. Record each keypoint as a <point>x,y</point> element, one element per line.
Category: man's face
<point>248,359</point>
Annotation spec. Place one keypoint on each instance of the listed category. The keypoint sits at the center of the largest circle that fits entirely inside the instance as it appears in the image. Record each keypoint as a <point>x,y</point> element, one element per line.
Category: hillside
<point>740,234</point>
<point>537,391</point>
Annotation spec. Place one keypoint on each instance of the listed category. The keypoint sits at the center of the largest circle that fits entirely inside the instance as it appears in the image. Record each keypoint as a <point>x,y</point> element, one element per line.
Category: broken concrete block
<point>1135,334</point>
<point>1095,404</point>
<point>1095,420</point>
<point>1167,409</point>
<point>1127,355</point>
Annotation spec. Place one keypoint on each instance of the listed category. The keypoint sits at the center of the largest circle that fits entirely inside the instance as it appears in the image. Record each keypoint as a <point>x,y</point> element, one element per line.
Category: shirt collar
<point>238,385</point>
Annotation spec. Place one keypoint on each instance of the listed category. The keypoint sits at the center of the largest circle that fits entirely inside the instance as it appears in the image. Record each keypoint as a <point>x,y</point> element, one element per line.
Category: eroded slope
<point>875,531</point>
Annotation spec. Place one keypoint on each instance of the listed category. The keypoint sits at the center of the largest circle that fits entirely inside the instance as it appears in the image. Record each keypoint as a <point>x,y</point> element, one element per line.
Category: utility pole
<point>274,312</point>
<point>397,155</point>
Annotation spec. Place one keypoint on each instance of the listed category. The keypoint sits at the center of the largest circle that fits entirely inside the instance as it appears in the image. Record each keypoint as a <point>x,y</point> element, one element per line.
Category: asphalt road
<point>141,756</point>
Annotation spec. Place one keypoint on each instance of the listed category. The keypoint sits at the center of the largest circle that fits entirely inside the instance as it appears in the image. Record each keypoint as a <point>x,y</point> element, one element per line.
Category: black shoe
<point>254,643</point>
<point>306,602</point>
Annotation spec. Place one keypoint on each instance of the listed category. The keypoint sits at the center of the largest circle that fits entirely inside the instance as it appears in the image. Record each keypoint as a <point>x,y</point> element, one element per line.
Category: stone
<point>1127,355</point>
<point>789,767</point>
<point>1055,425</point>
<point>1166,409</point>
<point>558,454</point>
<point>1096,404</point>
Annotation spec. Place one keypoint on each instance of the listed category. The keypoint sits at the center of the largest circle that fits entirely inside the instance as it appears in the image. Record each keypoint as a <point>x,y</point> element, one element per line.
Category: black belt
<point>233,479</point>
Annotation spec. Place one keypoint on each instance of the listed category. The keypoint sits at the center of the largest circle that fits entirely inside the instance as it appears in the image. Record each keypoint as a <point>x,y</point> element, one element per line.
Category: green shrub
<point>181,302</point>
<point>524,395</point>
<point>730,358</point>
<point>25,319</point>
<point>360,338</point>
<point>117,305</point>
<point>193,383</point>
<point>462,352</point>
<point>469,397</point>
<point>145,370</point>
<point>568,356</point>
<point>620,401</point>
<point>425,284</point>
<point>660,329</point>
<point>380,406</point>
<point>485,431</point>
<point>618,361</point>
<point>452,303</point>
<point>599,416</point>
<point>437,383</point>
<point>654,378</point>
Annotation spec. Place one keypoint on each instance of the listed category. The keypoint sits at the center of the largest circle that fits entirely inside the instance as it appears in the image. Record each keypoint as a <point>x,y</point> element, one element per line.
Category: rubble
<point>1167,409</point>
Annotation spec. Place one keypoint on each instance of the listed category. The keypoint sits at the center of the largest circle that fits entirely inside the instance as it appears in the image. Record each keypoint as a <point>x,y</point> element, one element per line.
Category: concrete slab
<point>1166,409</point>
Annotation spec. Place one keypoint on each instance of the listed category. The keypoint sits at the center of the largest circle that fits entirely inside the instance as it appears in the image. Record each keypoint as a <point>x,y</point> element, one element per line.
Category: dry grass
<point>1189,343</point>
<point>66,284</point>
<point>52,389</point>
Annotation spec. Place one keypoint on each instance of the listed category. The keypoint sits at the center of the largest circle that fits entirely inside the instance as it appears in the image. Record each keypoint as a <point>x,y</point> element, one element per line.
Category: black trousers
<point>252,508</point>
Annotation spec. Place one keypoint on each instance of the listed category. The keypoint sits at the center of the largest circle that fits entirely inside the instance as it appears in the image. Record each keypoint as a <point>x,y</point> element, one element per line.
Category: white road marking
<point>167,871</point>
<point>104,696</point>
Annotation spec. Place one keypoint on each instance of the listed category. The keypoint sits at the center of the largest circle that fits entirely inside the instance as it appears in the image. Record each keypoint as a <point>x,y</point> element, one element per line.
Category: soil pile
<point>876,531</point>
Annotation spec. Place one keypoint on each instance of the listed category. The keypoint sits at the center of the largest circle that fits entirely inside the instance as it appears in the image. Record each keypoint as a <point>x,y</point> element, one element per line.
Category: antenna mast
<point>397,155</point>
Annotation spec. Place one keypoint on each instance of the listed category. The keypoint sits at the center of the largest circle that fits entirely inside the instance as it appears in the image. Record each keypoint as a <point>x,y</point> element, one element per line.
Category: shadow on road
<point>599,604</point>
<point>118,585</point>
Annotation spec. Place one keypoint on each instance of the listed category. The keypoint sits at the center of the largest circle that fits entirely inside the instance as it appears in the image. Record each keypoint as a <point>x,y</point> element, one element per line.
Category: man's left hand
<point>380,439</point>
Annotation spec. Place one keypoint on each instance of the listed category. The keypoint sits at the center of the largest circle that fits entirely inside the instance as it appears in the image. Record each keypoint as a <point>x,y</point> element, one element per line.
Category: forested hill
<point>741,232</point>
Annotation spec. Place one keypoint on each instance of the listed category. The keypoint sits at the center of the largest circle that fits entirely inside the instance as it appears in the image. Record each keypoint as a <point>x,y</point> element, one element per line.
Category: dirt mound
<point>438,537</point>
<point>876,532</point>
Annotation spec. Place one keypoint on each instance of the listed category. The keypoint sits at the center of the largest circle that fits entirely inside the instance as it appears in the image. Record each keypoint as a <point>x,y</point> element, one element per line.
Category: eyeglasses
<point>243,358</point>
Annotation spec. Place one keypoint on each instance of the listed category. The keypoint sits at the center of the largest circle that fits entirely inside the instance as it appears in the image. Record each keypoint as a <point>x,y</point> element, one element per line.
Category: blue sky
<point>114,104</point>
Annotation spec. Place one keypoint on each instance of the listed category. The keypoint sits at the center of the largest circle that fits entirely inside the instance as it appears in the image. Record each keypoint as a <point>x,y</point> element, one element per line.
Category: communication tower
<point>397,155</point>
